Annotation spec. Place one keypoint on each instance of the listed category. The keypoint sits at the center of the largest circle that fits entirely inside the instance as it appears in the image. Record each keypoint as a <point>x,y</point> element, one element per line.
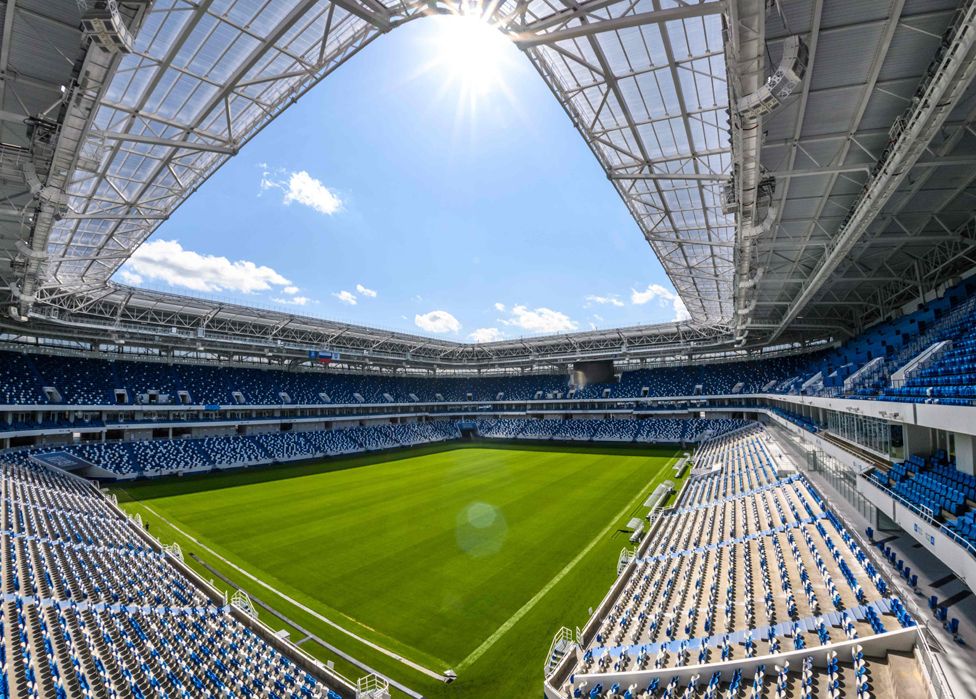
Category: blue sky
<point>426,186</point>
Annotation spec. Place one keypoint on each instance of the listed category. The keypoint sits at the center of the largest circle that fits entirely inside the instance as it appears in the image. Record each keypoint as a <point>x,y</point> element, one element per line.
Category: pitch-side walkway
<point>385,651</point>
<point>309,636</point>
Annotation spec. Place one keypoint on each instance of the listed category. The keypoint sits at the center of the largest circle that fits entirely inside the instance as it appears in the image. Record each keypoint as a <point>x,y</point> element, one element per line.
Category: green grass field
<point>466,557</point>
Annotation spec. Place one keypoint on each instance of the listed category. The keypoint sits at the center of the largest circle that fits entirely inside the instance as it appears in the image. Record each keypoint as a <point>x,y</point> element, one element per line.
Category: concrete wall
<point>930,535</point>
<point>943,417</point>
<point>965,452</point>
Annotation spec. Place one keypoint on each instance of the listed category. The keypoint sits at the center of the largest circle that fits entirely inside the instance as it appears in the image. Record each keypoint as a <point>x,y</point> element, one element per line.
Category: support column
<point>918,440</point>
<point>965,449</point>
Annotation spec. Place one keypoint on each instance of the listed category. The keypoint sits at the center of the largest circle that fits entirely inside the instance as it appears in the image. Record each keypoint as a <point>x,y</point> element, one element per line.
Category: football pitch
<point>465,557</point>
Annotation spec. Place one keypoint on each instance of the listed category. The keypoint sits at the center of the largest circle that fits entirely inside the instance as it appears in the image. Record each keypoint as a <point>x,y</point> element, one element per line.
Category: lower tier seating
<point>91,610</point>
<point>664,430</point>
<point>747,567</point>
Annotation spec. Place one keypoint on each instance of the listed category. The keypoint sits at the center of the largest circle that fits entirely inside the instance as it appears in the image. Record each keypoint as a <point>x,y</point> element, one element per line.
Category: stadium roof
<point>840,170</point>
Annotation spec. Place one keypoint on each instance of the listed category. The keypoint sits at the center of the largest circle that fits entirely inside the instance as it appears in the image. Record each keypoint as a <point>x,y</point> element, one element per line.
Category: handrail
<point>930,666</point>
<point>933,668</point>
<point>923,512</point>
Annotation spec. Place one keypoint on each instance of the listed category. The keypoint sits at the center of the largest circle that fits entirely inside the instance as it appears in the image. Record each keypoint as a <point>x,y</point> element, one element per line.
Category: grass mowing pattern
<point>428,554</point>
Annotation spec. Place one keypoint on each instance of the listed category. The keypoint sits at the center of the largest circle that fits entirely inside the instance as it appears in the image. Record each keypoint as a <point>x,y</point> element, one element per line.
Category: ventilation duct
<point>780,85</point>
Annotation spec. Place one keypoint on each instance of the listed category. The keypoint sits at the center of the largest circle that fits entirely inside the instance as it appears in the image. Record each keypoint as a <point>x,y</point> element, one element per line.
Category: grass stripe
<point>299,605</point>
<point>527,607</point>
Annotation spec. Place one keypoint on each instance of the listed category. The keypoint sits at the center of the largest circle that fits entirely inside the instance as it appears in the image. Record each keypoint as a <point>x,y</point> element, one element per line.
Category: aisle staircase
<point>562,643</point>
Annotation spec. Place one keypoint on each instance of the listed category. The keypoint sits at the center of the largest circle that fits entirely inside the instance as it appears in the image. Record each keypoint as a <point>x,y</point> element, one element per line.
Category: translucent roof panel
<point>643,81</point>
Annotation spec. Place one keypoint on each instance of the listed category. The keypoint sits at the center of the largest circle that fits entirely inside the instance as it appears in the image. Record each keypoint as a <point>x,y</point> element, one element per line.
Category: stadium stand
<point>160,456</point>
<point>150,457</point>
<point>751,573</point>
<point>949,376</point>
<point>933,485</point>
<point>661,430</point>
<point>91,609</point>
<point>797,419</point>
<point>802,171</point>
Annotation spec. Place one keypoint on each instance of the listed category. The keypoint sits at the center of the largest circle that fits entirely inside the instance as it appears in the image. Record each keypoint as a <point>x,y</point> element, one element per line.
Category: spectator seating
<point>933,485</point>
<point>797,419</point>
<point>746,566</point>
<point>159,456</point>
<point>651,430</point>
<point>152,457</point>
<point>91,610</point>
<point>950,378</point>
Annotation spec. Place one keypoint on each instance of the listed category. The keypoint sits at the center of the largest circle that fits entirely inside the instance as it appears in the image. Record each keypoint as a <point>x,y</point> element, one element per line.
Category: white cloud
<point>486,335</point>
<point>301,187</point>
<point>665,297</point>
<point>369,293</point>
<point>500,307</point>
<point>294,301</point>
<point>346,297</point>
<point>290,290</point>
<point>437,322</point>
<point>680,310</point>
<point>540,320</point>
<point>610,299</point>
<point>130,277</point>
<point>169,262</point>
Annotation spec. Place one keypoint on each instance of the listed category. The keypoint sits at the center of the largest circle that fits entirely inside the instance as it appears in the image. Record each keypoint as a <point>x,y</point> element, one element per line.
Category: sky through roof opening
<point>432,185</point>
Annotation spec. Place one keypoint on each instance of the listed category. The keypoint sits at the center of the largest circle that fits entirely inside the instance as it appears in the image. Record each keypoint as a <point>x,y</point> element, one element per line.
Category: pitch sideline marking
<point>365,641</point>
<point>527,607</point>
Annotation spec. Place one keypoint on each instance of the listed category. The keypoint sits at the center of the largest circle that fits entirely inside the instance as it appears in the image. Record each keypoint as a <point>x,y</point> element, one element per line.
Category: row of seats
<point>40,379</point>
<point>797,419</point>
<point>933,484</point>
<point>747,565</point>
<point>90,610</point>
<point>651,430</point>
<point>158,456</point>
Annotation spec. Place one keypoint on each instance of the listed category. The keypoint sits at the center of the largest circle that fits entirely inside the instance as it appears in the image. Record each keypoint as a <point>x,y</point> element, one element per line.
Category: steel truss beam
<point>949,80</point>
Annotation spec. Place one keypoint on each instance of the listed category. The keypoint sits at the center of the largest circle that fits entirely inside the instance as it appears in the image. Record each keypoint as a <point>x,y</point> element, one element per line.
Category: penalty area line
<point>527,607</point>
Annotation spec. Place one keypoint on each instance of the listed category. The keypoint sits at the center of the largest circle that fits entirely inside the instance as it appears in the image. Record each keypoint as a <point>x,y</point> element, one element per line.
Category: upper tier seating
<point>950,378</point>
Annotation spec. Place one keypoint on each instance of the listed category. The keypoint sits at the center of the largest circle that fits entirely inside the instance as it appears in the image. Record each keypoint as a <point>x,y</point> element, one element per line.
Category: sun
<point>472,60</point>
<point>472,53</point>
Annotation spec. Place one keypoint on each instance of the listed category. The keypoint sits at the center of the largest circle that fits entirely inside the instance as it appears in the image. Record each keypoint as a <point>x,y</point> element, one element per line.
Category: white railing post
<point>243,602</point>
<point>372,687</point>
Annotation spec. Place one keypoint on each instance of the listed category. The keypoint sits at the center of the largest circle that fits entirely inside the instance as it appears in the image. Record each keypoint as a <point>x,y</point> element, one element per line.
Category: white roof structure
<point>747,189</point>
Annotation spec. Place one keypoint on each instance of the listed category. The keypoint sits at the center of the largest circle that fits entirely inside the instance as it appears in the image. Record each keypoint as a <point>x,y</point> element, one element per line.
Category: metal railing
<point>931,668</point>
<point>925,513</point>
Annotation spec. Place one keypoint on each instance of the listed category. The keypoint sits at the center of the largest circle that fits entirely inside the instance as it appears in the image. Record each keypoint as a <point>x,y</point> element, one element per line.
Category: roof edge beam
<point>535,35</point>
<point>949,82</point>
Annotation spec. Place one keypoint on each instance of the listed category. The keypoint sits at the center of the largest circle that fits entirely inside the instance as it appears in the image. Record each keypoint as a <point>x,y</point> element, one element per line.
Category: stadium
<point>771,494</point>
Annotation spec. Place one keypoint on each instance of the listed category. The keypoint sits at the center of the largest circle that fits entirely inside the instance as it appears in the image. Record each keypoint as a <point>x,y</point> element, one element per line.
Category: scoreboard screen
<point>586,373</point>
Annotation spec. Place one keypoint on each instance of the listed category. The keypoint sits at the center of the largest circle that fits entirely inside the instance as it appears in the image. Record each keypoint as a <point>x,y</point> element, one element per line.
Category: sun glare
<point>471,59</point>
<point>472,54</point>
